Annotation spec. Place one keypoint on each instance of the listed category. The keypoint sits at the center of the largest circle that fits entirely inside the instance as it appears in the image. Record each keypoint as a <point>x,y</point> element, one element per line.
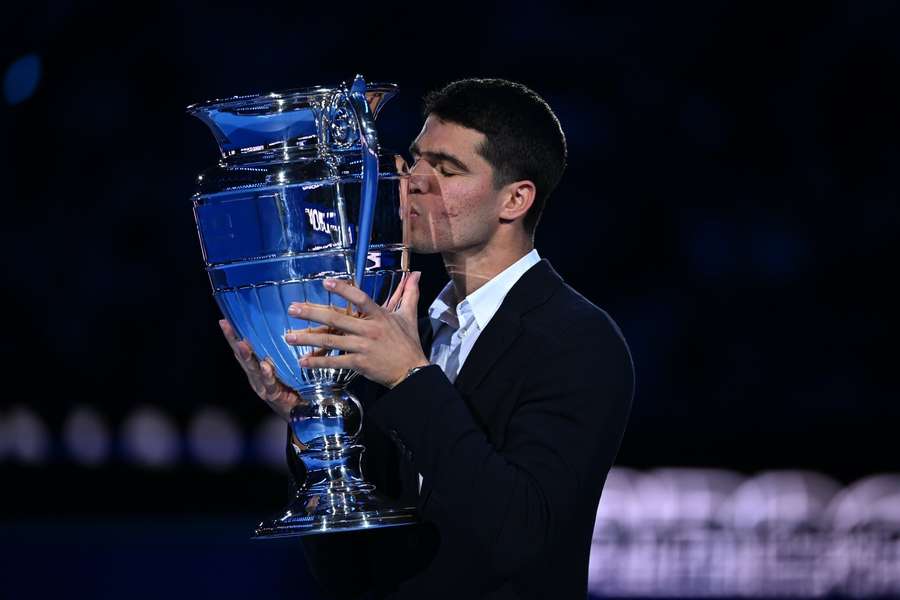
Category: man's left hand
<point>381,343</point>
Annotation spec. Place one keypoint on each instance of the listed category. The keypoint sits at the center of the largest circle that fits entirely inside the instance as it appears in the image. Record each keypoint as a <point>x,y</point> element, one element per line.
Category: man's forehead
<point>438,134</point>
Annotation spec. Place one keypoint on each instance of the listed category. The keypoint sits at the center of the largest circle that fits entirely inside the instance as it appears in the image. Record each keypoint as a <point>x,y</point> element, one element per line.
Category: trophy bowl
<point>303,193</point>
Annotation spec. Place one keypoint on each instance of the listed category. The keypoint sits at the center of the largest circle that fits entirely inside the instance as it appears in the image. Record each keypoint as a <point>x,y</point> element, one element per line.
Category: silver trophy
<point>303,193</point>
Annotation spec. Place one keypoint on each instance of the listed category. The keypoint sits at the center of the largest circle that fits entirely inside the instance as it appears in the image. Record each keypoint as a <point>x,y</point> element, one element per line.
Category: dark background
<point>731,199</point>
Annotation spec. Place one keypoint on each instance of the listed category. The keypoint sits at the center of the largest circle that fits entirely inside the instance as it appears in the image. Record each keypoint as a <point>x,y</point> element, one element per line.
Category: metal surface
<point>303,193</point>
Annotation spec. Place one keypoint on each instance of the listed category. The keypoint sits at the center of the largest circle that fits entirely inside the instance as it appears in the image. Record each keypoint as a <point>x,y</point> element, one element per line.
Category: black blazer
<point>514,456</point>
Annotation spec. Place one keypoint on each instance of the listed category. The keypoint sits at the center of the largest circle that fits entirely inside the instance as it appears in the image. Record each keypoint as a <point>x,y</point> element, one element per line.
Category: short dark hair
<point>524,139</point>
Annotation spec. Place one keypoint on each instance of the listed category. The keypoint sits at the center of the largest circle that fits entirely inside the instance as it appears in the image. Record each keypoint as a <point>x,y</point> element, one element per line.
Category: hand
<point>261,375</point>
<point>381,343</point>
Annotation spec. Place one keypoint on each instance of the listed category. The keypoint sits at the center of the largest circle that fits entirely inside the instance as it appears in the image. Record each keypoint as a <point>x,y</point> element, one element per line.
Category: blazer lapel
<point>532,289</point>
<point>426,333</point>
<point>501,332</point>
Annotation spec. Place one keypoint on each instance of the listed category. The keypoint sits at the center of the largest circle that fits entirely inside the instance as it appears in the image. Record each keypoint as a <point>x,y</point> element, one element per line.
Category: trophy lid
<point>285,120</point>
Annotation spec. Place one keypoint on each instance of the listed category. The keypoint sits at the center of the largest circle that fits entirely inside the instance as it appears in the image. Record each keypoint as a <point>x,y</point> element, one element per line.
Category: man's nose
<point>421,178</point>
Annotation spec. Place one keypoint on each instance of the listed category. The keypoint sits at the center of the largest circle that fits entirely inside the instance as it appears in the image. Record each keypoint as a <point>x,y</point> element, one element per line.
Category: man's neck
<point>469,270</point>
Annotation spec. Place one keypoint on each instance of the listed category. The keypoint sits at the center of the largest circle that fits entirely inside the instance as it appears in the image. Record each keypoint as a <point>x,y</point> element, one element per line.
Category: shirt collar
<point>442,309</point>
<point>484,302</point>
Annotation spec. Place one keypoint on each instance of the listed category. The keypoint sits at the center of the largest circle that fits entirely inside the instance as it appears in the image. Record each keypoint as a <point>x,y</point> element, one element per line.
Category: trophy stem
<point>334,495</point>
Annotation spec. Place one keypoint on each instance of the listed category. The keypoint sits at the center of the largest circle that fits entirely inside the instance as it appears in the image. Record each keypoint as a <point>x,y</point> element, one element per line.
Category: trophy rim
<point>263,100</point>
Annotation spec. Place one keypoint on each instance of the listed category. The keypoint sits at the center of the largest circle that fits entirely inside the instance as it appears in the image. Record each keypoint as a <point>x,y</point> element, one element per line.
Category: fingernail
<point>291,337</point>
<point>330,283</point>
<point>304,362</point>
<point>295,309</point>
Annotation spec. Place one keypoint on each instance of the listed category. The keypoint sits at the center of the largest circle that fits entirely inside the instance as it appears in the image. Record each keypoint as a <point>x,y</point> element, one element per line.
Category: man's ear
<point>517,198</point>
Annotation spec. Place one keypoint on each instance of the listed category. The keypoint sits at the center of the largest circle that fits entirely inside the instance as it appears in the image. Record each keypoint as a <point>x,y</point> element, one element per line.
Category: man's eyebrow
<point>438,156</point>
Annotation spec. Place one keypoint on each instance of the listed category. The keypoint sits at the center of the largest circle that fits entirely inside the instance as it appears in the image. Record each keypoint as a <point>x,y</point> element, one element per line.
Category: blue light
<point>22,78</point>
<point>778,253</point>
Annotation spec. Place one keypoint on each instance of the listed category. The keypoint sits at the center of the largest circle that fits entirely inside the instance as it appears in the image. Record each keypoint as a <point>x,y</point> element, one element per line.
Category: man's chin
<point>422,250</point>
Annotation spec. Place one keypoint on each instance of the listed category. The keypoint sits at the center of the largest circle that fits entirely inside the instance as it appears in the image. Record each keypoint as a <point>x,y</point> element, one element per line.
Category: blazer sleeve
<point>560,442</point>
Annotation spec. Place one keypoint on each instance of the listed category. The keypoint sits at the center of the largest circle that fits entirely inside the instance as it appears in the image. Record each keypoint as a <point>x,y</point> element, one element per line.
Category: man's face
<point>453,203</point>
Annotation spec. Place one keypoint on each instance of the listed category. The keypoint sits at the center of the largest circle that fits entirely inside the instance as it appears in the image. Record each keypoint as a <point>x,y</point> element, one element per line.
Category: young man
<point>504,437</point>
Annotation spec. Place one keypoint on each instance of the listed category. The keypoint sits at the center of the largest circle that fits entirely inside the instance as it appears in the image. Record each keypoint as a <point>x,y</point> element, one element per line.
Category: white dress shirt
<point>456,326</point>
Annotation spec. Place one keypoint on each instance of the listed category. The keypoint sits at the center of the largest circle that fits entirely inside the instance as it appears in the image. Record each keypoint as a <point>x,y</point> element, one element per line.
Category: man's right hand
<point>261,375</point>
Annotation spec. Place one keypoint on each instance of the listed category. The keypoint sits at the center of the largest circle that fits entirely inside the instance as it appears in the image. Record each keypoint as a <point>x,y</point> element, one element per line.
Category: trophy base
<point>313,513</point>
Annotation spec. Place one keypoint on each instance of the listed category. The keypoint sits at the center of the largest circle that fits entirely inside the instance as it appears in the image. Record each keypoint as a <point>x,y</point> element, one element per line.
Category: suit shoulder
<point>569,331</point>
<point>568,317</point>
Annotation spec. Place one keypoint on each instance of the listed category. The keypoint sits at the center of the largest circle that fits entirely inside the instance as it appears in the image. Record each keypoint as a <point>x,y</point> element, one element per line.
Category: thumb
<point>409,303</point>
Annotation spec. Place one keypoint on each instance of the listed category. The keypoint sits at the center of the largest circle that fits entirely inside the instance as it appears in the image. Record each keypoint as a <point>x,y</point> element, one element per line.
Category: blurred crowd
<point>680,532</point>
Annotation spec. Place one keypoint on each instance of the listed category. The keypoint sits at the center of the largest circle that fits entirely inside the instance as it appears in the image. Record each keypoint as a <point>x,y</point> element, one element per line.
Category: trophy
<point>304,193</point>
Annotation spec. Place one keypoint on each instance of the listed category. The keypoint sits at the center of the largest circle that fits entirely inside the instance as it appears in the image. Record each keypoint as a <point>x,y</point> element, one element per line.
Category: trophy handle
<point>368,138</point>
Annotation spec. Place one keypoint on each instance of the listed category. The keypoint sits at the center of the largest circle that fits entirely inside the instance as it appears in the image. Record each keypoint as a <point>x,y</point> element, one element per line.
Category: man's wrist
<point>411,371</point>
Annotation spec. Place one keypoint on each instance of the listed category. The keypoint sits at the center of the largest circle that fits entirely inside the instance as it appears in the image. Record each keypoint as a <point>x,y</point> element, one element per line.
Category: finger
<point>347,343</point>
<point>247,359</point>
<point>270,381</point>
<point>241,348</point>
<point>252,367</point>
<point>394,300</point>
<point>230,334</point>
<point>409,304</point>
<point>327,315</point>
<point>244,351</point>
<point>352,294</point>
<point>343,310</point>
<point>316,329</point>
<point>227,329</point>
<point>403,171</point>
<point>276,390</point>
<point>400,164</point>
<point>267,370</point>
<point>255,377</point>
<point>342,361</point>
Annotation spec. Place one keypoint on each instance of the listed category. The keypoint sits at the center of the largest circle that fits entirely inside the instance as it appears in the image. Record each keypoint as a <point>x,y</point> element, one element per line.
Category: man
<point>504,436</point>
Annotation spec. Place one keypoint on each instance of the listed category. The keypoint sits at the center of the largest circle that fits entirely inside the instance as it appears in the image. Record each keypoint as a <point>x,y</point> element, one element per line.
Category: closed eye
<point>440,166</point>
<point>435,157</point>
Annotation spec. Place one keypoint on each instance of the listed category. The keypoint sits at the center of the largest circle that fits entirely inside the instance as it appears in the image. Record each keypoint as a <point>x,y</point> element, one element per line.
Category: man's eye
<point>446,173</point>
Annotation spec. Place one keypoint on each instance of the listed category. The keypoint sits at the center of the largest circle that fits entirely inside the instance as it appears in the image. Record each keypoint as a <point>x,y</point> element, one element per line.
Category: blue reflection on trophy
<point>303,193</point>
